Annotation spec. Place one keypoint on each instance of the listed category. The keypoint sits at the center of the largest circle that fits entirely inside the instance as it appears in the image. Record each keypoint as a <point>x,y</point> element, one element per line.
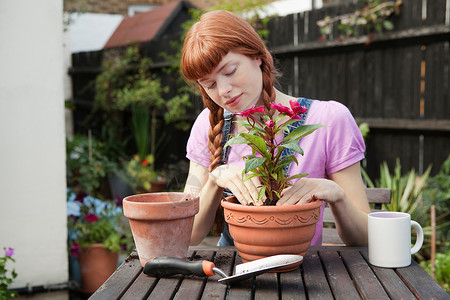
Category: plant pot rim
<point>231,203</point>
<point>183,198</point>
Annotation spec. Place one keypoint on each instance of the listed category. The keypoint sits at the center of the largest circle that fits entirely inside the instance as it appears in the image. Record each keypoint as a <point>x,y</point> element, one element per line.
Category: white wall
<point>32,148</point>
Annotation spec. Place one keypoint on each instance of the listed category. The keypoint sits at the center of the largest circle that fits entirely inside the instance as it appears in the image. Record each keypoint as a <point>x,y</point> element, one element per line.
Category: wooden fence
<point>399,84</point>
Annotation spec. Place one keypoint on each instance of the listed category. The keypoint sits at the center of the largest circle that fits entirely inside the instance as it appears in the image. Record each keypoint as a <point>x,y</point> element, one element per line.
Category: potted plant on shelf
<point>95,237</point>
<point>287,229</point>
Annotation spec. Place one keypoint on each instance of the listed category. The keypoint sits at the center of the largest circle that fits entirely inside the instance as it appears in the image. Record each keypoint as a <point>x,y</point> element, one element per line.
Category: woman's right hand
<point>230,177</point>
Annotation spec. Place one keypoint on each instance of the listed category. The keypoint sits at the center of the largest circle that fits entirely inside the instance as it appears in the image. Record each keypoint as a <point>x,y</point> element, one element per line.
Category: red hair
<point>206,43</point>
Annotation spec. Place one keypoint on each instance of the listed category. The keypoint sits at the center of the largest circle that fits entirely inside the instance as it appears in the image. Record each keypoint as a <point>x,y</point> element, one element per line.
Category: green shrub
<point>442,269</point>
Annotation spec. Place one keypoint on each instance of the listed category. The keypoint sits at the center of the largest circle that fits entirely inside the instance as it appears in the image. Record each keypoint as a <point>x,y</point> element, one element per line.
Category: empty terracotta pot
<point>261,231</point>
<point>161,223</point>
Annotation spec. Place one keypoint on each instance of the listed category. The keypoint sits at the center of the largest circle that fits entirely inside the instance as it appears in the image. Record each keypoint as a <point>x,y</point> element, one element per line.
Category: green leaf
<point>236,140</point>
<point>303,131</point>
<point>388,25</point>
<point>253,163</point>
<point>297,176</point>
<point>294,146</point>
<point>255,141</point>
<point>261,192</point>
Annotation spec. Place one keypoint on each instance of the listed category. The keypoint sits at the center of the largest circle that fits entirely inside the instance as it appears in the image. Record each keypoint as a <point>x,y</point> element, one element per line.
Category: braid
<point>215,137</point>
<point>215,134</point>
<point>268,77</point>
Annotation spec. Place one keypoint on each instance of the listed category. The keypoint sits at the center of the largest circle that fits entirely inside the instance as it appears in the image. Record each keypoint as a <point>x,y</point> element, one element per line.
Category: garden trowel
<point>168,266</point>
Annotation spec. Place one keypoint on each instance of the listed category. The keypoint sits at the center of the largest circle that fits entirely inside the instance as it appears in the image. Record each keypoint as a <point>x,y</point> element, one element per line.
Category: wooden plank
<point>120,280</point>
<point>291,285</point>
<point>192,286</point>
<point>392,284</point>
<point>167,288</point>
<point>316,283</point>
<point>412,35</point>
<point>365,280</point>
<point>340,281</point>
<point>140,288</point>
<point>421,284</point>
<point>408,124</point>
<point>266,286</point>
<point>224,260</point>
<point>243,289</point>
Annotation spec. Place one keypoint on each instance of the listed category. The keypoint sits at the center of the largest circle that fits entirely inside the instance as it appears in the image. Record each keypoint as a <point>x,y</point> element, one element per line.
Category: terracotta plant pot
<point>161,223</point>
<point>96,265</point>
<point>261,231</point>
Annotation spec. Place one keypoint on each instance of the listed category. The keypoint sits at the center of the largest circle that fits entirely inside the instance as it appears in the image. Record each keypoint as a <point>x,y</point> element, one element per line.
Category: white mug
<point>390,239</point>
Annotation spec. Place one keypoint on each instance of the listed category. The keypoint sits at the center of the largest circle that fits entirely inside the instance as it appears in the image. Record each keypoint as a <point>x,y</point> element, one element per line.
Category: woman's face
<point>236,83</point>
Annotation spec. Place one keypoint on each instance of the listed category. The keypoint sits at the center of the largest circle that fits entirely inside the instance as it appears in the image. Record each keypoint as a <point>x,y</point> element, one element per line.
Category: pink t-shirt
<point>329,149</point>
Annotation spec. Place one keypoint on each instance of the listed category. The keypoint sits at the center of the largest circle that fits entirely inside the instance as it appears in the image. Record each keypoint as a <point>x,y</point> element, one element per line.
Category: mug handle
<point>419,240</point>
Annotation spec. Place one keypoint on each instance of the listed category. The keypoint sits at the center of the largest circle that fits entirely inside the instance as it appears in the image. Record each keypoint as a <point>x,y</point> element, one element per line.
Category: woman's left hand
<point>307,189</point>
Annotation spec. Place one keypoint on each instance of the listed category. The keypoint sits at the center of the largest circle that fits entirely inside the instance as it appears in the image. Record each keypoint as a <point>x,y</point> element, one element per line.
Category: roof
<point>144,27</point>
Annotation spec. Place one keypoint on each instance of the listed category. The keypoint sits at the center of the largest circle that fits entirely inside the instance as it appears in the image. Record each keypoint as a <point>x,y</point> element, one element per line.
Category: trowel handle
<point>168,266</point>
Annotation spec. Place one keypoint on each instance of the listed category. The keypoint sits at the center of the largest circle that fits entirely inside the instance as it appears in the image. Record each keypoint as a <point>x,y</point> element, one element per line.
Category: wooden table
<point>326,273</point>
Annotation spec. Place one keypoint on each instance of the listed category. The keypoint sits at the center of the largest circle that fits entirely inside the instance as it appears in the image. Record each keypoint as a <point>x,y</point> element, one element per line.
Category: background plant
<point>126,84</point>
<point>442,269</point>
<point>92,221</point>
<point>7,276</point>
<point>87,165</point>
<point>373,18</point>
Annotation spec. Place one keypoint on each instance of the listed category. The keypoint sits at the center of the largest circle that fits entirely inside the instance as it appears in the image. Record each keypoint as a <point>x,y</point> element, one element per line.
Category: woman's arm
<point>209,186</point>
<point>350,213</point>
<point>346,196</point>
<point>198,183</point>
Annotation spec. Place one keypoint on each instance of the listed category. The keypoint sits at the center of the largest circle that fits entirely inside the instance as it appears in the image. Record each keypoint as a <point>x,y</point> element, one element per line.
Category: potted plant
<point>267,161</point>
<point>127,85</point>
<point>95,237</point>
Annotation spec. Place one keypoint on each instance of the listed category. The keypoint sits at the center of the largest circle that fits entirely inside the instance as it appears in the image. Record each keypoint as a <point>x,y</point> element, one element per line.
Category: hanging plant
<point>373,18</point>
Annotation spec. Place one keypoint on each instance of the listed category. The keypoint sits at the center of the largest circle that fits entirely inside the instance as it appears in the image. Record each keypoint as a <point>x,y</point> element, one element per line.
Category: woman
<point>226,59</point>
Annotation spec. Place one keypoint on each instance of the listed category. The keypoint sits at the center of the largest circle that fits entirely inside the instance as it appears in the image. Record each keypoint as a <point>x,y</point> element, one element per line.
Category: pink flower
<point>281,108</point>
<point>251,110</point>
<point>270,124</point>
<point>9,252</point>
<point>292,112</point>
<point>296,108</point>
<point>91,218</point>
<point>74,249</point>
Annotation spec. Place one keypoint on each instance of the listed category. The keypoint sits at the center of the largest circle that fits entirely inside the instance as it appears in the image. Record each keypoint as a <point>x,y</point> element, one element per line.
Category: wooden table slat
<point>393,285</point>
<point>365,280</point>
<point>243,289</point>
<point>316,283</point>
<point>141,287</point>
<point>421,284</point>
<point>339,279</point>
<point>292,287</point>
<point>192,286</point>
<point>266,286</point>
<point>120,280</point>
<point>223,260</point>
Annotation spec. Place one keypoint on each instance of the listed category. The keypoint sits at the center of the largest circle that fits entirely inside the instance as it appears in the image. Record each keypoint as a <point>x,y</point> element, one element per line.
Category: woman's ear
<point>259,61</point>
